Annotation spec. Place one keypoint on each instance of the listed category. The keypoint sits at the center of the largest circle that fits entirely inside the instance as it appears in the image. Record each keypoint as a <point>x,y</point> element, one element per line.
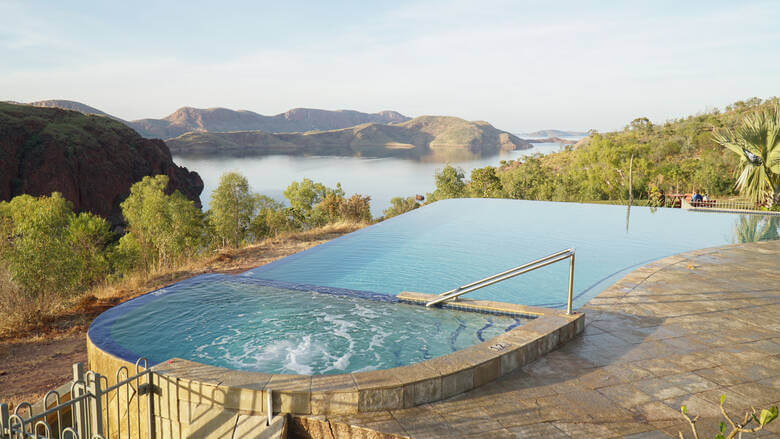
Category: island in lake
<point>419,137</point>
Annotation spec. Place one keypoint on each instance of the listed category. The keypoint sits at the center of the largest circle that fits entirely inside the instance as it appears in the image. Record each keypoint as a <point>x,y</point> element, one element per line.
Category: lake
<point>381,178</point>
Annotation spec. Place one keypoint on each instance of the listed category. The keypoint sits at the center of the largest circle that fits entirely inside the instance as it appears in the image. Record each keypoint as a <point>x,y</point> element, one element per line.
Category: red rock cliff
<point>91,160</point>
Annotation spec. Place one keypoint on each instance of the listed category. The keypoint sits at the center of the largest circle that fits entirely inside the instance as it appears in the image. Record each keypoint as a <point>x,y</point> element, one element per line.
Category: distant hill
<point>92,160</point>
<point>554,133</point>
<point>212,120</point>
<point>188,119</point>
<point>418,137</point>
<point>72,105</point>
<point>552,140</point>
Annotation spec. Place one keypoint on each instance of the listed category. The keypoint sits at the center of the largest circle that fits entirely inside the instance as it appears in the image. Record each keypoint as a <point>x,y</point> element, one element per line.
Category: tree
<point>356,208</point>
<point>641,124</point>
<point>50,250</point>
<point>88,239</point>
<point>162,229</point>
<point>306,194</point>
<point>232,207</point>
<point>306,198</point>
<point>272,218</point>
<point>400,205</point>
<point>757,143</point>
<point>485,183</point>
<point>449,184</point>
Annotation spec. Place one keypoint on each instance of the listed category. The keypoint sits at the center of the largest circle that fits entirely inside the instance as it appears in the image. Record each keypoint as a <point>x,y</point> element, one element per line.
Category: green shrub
<point>400,205</point>
<point>48,250</point>
<point>166,228</point>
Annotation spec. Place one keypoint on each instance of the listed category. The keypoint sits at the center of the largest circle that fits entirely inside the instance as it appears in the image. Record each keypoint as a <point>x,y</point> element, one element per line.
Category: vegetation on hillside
<point>678,156</point>
<point>757,144</point>
<point>49,256</point>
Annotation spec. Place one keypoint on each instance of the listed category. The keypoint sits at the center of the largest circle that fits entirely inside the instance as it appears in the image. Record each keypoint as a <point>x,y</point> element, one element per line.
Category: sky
<point>520,65</point>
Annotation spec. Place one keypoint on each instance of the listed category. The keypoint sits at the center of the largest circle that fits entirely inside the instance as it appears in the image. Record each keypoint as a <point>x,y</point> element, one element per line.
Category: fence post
<point>97,415</point>
<point>78,409</point>
<point>269,403</point>
<point>4,421</point>
<point>149,408</point>
<point>571,284</point>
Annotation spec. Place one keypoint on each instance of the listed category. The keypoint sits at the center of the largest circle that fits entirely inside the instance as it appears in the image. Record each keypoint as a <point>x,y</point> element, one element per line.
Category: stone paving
<point>682,330</point>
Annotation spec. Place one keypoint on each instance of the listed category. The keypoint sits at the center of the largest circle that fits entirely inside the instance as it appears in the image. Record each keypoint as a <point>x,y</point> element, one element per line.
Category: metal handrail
<point>508,274</point>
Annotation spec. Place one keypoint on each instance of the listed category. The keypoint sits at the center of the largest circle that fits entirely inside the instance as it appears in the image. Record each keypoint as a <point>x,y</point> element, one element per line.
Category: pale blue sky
<point>521,65</point>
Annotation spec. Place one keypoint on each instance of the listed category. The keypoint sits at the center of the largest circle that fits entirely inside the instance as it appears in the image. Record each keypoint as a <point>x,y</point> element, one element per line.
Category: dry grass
<point>22,318</point>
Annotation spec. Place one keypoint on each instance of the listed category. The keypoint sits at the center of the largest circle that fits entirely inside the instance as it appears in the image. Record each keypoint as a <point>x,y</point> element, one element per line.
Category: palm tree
<point>757,142</point>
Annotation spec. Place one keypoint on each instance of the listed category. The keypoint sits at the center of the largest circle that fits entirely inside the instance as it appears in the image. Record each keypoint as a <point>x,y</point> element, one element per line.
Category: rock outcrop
<point>91,160</point>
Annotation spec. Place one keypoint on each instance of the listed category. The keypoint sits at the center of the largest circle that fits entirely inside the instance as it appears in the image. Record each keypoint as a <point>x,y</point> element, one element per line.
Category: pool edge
<point>182,387</point>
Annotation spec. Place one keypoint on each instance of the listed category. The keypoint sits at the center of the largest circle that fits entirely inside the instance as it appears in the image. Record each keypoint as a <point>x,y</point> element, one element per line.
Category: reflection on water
<point>752,228</point>
<point>381,178</point>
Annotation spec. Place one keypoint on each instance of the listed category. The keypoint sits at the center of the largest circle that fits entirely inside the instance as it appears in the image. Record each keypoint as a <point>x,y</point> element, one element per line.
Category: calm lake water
<point>381,178</point>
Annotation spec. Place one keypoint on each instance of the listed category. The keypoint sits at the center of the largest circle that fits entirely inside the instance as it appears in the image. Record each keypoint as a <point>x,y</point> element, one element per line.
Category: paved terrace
<point>682,330</point>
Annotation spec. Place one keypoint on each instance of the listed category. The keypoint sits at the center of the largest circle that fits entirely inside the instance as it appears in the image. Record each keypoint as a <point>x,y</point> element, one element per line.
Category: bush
<point>400,205</point>
<point>356,208</point>
<point>47,249</point>
<point>166,228</point>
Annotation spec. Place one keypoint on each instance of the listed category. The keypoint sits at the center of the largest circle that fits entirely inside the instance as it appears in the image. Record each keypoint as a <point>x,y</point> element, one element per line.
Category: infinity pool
<point>453,242</point>
<point>332,308</point>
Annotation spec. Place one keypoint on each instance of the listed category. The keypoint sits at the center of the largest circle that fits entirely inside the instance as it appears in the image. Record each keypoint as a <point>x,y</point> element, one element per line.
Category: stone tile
<point>653,434</point>
<point>538,431</point>
<point>758,393</point>
<point>656,411</point>
<point>457,383</point>
<point>722,376</point>
<point>690,382</point>
<point>628,372</point>
<point>659,388</point>
<point>661,366</point>
<point>696,406</point>
<point>511,413</point>
<point>498,434</point>
<point>625,395</point>
<point>472,421</point>
<point>630,428</point>
<point>290,393</point>
<point>423,422</point>
<point>598,378</point>
<point>559,409</point>
<point>584,430</point>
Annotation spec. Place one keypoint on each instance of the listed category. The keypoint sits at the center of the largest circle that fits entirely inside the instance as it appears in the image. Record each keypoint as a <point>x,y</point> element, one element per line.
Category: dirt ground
<point>33,363</point>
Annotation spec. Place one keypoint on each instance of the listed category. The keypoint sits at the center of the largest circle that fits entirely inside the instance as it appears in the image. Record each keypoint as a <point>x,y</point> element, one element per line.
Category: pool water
<point>332,308</point>
<point>241,323</point>
<point>454,242</point>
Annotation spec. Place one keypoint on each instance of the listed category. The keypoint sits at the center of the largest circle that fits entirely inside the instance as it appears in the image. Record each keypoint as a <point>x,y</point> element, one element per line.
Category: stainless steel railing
<point>508,274</point>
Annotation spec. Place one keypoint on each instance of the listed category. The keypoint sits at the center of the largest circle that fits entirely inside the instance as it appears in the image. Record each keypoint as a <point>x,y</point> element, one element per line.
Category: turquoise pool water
<point>242,323</point>
<point>332,308</point>
<point>453,242</point>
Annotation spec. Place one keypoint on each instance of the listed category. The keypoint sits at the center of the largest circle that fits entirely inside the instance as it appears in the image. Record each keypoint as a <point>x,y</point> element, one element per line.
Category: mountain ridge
<point>219,119</point>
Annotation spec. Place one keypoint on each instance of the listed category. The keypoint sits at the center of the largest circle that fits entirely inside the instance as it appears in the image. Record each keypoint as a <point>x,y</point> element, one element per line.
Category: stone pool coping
<point>181,386</point>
